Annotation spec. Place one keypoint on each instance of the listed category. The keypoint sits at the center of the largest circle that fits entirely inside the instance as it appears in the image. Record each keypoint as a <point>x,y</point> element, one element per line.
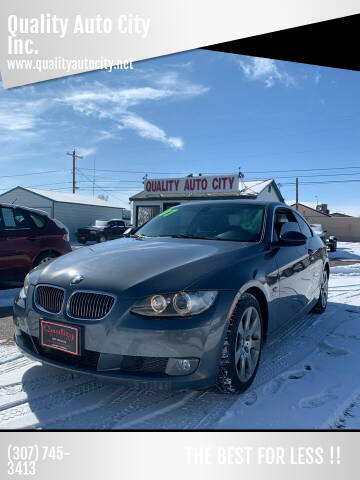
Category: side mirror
<point>129,231</point>
<point>292,238</point>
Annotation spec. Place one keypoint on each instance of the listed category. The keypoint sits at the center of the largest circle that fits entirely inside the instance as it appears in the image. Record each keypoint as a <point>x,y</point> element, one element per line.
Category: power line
<point>325,182</point>
<point>141,172</point>
<point>103,190</point>
<point>33,173</point>
<point>217,173</point>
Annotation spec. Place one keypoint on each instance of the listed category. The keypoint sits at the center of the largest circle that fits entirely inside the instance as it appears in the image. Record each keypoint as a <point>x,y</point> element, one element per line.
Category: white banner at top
<point>41,40</point>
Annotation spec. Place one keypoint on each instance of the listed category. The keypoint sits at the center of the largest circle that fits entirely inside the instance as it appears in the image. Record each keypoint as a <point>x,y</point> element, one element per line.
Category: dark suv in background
<point>28,237</point>
<point>101,231</point>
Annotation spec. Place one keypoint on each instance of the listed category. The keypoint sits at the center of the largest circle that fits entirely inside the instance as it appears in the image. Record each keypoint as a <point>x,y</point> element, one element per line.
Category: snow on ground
<point>346,251</point>
<point>7,297</point>
<point>308,379</point>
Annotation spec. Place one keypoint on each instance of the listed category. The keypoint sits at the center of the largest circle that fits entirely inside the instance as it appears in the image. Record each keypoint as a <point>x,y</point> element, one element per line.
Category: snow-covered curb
<point>346,270</point>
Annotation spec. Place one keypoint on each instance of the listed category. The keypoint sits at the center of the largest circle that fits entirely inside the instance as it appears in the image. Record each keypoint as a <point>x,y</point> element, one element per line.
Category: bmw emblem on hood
<point>76,280</point>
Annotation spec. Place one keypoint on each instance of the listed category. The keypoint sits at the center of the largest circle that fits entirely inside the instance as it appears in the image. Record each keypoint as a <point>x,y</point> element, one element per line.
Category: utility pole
<point>94,181</point>
<point>74,157</point>
<point>297,193</point>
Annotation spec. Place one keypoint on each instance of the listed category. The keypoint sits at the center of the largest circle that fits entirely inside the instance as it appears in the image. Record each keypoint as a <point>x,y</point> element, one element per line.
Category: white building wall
<point>24,198</point>
<point>268,196</point>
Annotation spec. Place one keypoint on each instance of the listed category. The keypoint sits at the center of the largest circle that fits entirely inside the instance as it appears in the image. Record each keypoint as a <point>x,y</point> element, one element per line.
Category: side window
<point>14,219</point>
<point>304,227</point>
<point>21,218</point>
<point>39,222</point>
<point>284,221</point>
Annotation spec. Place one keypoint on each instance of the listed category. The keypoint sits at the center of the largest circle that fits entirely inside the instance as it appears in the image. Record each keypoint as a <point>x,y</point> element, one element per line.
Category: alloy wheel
<point>324,289</point>
<point>248,344</point>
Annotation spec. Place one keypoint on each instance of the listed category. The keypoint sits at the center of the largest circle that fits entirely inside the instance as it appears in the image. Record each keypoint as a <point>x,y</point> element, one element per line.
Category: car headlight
<point>24,291</point>
<point>179,304</point>
<point>20,299</point>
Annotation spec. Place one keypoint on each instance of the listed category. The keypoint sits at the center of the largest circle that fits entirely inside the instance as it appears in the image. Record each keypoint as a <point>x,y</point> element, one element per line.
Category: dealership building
<point>160,194</point>
<point>73,210</point>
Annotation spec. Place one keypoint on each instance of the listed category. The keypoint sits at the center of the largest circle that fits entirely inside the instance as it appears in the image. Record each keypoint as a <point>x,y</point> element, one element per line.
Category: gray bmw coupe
<point>186,301</point>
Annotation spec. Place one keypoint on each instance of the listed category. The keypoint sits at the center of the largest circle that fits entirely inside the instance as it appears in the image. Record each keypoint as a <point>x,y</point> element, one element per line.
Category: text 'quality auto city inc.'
<point>215,183</point>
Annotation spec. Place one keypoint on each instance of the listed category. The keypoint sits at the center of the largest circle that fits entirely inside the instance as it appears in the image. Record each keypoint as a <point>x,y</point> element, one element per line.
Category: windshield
<point>218,221</point>
<point>100,223</point>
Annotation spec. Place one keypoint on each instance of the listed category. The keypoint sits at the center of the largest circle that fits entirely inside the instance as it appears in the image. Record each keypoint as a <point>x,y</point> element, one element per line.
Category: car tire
<point>82,242</point>
<point>102,238</point>
<point>242,346</point>
<point>321,304</point>
<point>45,257</point>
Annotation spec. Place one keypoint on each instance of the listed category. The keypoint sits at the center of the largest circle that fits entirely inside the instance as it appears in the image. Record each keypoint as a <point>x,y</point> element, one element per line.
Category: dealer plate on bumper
<point>61,337</point>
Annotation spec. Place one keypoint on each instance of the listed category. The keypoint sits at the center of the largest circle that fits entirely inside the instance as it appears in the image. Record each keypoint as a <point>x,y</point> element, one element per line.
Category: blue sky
<point>197,111</point>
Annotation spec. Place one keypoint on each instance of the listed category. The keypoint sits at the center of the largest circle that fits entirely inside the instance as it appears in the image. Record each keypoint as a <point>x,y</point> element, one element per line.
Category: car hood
<point>135,268</point>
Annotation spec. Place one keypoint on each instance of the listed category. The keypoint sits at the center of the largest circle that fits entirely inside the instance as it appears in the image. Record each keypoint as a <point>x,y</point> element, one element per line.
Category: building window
<point>146,213</point>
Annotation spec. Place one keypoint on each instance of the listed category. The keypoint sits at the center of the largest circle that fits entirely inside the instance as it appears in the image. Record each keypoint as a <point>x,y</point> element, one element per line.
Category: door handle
<point>310,252</point>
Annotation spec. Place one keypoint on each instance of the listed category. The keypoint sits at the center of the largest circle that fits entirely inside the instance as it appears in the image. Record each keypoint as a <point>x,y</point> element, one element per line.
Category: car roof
<point>28,209</point>
<point>232,201</point>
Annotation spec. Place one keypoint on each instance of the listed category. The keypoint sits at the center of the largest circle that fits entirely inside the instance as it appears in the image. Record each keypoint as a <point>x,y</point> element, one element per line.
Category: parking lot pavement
<point>6,326</point>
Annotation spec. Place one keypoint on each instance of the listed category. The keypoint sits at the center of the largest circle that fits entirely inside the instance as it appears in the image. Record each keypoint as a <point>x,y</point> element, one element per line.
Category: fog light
<point>181,366</point>
<point>184,365</point>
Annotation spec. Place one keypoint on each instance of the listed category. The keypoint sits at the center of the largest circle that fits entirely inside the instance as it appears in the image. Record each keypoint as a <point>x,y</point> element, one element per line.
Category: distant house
<point>311,214</point>
<point>337,214</point>
<point>73,210</point>
<point>344,227</point>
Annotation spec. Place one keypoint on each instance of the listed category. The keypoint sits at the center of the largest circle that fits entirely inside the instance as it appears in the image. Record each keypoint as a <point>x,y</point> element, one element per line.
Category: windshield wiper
<point>183,235</point>
<point>138,235</point>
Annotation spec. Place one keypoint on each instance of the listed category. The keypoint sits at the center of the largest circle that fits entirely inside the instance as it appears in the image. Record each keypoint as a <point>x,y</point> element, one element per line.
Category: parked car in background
<point>101,231</point>
<point>330,241</point>
<point>186,301</point>
<point>28,238</point>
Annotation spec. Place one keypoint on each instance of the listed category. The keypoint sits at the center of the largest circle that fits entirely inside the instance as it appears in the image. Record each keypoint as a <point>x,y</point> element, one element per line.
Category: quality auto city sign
<point>192,185</point>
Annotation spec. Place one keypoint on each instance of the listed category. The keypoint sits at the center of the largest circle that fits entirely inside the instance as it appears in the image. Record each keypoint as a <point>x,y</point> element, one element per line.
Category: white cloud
<point>20,115</point>
<point>148,130</point>
<point>116,103</point>
<point>317,77</point>
<point>266,70</point>
<point>86,152</point>
<point>102,136</point>
<point>22,112</point>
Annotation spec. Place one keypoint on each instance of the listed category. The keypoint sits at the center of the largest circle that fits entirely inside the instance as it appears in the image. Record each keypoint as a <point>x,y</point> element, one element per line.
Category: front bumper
<point>87,236</point>
<point>124,338</point>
